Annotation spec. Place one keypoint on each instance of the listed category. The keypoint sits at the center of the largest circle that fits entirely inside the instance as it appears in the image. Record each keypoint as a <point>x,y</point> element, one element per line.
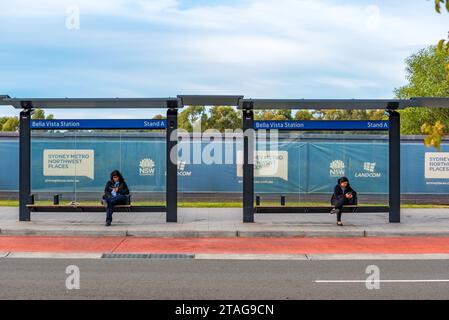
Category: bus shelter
<point>26,125</point>
<point>249,126</point>
<point>392,126</point>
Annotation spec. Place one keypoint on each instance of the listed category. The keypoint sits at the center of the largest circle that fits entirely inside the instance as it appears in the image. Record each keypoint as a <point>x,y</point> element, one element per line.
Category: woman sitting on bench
<point>116,192</point>
<point>343,195</point>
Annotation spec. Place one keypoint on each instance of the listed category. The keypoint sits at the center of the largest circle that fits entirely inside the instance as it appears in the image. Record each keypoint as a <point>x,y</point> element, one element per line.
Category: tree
<point>435,132</point>
<point>321,115</point>
<point>303,115</point>
<point>352,114</point>
<point>427,77</point>
<point>273,115</point>
<point>12,124</point>
<point>2,121</point>
<point>377,115</point>
<point>223,117</point>
<point>342,114</point>
<point>190,115</point>
<point>438,4</point>
<point>39,114</point>
<point>217,117</point>
<point>158,117</point>
<point>443,45</point>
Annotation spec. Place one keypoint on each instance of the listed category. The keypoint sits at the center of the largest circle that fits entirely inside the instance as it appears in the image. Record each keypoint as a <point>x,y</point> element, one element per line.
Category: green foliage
<point>345,115</point>
<point>273,115</point>
<point>443,44</point>
<point>217,117</point>
<point>39,114</point>
<point>11,124</point>
<point>350,115</point>
<point>321,115</point>
<point>377,115</point>
<point>425,72</point>
<point>303,115</point>
<point>224,117</point>
<point>439,3</point>
<point>190,115</point>
<point>433,134</point>
<point>427,77</point>
<point>2,122</point>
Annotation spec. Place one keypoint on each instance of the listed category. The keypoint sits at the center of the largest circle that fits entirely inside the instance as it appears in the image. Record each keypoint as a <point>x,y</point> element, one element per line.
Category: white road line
<point>202,256</point>
<point>381,281</point>
<point>377,256</point>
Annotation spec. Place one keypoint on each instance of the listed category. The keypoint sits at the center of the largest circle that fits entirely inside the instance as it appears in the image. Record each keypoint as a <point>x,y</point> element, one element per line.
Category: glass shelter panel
<point>303,167</point>
<point>76,164</point>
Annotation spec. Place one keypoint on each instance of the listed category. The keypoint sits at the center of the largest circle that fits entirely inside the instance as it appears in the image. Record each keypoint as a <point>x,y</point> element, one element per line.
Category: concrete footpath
<point>227,223</point>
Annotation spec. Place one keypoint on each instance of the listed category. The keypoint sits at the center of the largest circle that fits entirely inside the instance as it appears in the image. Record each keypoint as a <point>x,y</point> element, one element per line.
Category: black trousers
<point>111,202</point>
<point>339,203</point>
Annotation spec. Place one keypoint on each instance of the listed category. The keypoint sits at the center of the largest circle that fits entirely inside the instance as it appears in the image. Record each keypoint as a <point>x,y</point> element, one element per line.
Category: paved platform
<point>227,222</point>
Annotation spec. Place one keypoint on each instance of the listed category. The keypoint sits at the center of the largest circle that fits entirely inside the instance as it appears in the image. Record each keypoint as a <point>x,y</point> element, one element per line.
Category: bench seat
<point>319,209</point>
<point>94,208</point>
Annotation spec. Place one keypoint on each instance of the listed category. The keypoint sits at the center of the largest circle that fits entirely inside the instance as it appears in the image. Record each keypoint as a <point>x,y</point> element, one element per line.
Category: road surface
<point>222,279</point>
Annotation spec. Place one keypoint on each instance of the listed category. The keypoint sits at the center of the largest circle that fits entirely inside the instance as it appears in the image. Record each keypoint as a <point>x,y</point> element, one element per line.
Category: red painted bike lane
<point>419,245</point>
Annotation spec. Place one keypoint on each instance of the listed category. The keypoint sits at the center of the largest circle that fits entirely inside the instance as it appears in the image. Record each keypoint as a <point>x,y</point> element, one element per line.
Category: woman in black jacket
<point>115,192</point>
<point>343,195</point>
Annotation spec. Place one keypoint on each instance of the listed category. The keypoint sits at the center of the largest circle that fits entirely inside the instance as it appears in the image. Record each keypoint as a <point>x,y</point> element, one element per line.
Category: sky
<point>255,48</point>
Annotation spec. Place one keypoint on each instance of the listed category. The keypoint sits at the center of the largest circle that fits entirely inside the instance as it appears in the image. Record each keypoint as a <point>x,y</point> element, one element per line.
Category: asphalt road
<point>220,279</point>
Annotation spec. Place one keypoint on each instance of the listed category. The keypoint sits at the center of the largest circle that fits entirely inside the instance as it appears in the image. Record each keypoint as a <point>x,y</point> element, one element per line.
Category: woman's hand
<point>349,195</point>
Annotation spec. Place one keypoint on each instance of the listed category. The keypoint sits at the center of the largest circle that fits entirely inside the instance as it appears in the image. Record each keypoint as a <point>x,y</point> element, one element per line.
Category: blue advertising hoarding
<point>85,164</point>
<point>305,165</point>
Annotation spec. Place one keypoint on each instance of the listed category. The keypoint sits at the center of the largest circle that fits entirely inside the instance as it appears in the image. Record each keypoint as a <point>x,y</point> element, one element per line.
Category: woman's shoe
<point>340,224</point>
<point>335,211</point>
<point>108,223</point>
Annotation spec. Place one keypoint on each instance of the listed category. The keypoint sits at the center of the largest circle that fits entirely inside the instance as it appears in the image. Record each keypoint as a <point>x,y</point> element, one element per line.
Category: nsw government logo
<point>337,168</point>
<point>146,167</point>
<point>369,171</point>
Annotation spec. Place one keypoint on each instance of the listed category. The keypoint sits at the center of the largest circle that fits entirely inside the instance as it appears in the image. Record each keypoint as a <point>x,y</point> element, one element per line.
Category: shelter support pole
<point>172,162</point>
<point>25,163</point>
<point>394,167</point>
<point>248,162</point>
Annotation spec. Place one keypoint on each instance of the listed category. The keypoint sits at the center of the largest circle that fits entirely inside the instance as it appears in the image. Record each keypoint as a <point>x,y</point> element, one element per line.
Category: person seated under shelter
<point>116,192</point>
<point>343,195</point>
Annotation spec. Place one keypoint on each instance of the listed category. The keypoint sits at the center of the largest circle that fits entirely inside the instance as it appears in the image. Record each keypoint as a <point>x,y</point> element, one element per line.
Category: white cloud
<point>346,83</point>
<point>280,48</point>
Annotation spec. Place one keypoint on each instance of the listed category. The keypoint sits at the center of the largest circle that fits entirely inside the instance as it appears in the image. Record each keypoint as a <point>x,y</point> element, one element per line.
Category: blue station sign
<point>341,125</point>
<point>69,124</point>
